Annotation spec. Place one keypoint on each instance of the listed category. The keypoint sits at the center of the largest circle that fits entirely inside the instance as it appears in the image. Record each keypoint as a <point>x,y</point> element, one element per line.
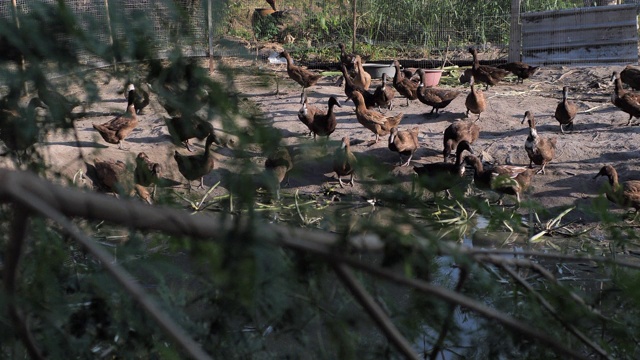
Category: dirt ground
<point>598,137</point>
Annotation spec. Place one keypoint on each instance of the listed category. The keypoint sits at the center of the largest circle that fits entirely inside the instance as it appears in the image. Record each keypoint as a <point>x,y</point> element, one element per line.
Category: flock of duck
<point>461,134</point>
<point>435,177</point>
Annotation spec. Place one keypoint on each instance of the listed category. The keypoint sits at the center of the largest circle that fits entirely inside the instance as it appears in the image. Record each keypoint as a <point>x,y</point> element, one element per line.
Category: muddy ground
<point>598,137</point>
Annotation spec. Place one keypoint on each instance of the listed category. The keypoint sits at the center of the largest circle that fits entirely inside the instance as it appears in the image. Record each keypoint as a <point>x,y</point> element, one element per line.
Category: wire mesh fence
<point>418,28</point>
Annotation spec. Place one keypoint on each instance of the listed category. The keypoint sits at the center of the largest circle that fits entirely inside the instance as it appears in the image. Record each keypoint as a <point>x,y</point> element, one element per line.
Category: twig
<point>452,308</point>
<point>525,263</point>
<point>10,274</point>
<point>446,52</point>
<point>170,327</point>
<point>565,74</point>
<point>374,310</point>
<point>572,329</point>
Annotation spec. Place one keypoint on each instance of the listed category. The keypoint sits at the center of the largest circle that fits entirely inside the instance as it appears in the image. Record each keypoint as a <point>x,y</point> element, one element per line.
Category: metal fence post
<point>209,25</point>
<point>515,38</point>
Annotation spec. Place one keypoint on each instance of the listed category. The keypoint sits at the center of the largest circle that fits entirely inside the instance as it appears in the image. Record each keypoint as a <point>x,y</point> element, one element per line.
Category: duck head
<point>464,145</point>
<point>607,171</point>
<point>332,101</point>
<point>345,143</point>
<point>614,76</point>
<point>528,115</point>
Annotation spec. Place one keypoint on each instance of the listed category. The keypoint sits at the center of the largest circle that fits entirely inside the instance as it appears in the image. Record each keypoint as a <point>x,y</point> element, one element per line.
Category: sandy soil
<point>597,138</point>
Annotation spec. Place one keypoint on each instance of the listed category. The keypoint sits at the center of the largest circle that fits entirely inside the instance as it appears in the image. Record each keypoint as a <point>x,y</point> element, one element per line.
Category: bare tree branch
<point>45,198</point>
<point>449,320</point>
<point>170,327</point>
<point>572,329</point>
<point>10,274</point>
<point>502,261</point>
<point>374,310</point>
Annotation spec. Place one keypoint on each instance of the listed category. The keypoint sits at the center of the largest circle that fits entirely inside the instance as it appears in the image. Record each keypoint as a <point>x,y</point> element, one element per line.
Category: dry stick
<point>525,263</point>
<point>43,195</point>
<point>9,275</point>
<point>446,52</point>
<point>171,328</point>
<point>374,310</point>
<point>452,308</point>
<point>572,329</point>
<point>572,258</point>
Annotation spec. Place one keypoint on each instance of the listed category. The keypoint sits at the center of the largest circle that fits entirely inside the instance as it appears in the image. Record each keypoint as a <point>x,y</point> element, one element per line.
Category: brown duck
<point>503,179</point>
<point>459,130</point>
<point>486,74</point>
<point>345,58</point>
<point>520,69</point>
<point>384,94</point>
<point>566,110</point>
<point>306,113</point>
<point>362,77</point>
<point>405,86</point>
<point>626,194</point>
<point>475,101</point>
<point>147,173</point>
<point>442,176</point>
<point>110,176</point>
<point>324,123</point>
<point>631,76</point>
<point>182,129</point>
<point>377,122</point>
<point>19,129</point>
<point>344,162</point>
<point>194,167</point>
<point>404,143</point>
<point>540,150</point>
<point>277,166</point>
<point>625,100</point>
<point>302,76</point>
<point>350,87</point>
<point>436,97</point>
<point>140,98</point>
<point>117,129</point>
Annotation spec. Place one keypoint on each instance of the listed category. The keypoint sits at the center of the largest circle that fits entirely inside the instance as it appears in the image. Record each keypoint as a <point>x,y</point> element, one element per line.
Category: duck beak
<point>523,119</point>
<point>595,177</point>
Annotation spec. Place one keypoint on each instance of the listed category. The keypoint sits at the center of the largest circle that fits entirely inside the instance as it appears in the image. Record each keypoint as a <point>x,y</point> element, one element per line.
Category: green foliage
<point>238,294</point>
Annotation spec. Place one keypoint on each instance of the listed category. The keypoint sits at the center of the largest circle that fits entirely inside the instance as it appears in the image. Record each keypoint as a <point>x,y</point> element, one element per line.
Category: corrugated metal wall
<point>583,36</point>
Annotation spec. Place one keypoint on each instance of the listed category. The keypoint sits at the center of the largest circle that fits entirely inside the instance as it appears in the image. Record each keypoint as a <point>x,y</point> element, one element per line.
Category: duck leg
<point>562,130</point>
<point>201,186</point>
<point>351,180</point>
<point>340,181</point>
<point>629,121</point>
<point>408,161</point>
<point>541,171</point>
<point>120,145</point>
